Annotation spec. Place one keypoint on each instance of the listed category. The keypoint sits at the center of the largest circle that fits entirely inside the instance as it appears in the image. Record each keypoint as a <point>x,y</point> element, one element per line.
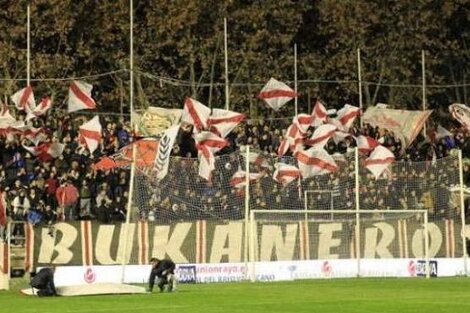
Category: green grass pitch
<point>339,295</point>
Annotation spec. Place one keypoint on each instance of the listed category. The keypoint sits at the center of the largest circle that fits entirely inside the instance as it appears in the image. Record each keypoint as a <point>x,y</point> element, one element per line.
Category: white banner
<point>165,145</point>
<point>264,271</point>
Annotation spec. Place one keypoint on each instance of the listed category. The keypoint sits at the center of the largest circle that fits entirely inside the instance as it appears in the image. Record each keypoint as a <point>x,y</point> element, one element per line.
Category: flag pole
<point>133,129</point>
<point>28,45</point>
<point>359,82</point>
<point>131,61</point>
<point>295,79</point>
<point>423,72</point>
<point>227,101</point>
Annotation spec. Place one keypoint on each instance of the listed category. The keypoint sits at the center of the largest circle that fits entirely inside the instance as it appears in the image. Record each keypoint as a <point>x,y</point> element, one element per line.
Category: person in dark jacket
<point>44,282</point>
<point>164,270</point>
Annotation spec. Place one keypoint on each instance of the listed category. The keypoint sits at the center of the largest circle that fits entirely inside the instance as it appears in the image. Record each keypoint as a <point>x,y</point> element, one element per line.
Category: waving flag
<point>314,162</point>
<point>206,162</point>
<point>303,122</point>
<point>365,144</point>
<point>165,145</point>
<point>24,99</point>
<point>195,113</point>
<point>80,97</point>
<point>379,160</point>
<point>293,140</point>
<point>276,94</point>
<point>258,159</point>
<point>91,133</point>
<point>321,135</point>
<point>285,174</point>
<point>41,109</point>
<point>347,115</point>
<point>5,113</point>
<point>46,151</point>
<point>239,178</point>
<point>461,113</point>
<point>210,141</point>
<point>224,121</point>
<point>319,114</point>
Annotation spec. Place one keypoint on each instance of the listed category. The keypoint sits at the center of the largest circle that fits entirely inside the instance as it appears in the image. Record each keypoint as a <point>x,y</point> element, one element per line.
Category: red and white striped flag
<point>321,135</point>
<point>340,136</point>
<point>90,132</point>
<point>24,99</point>
<point>258,159</point>
<point>239,178</point>
<point>206,163</point>
<point>195,113</point>
<point>293,140</point>
<point>46,151</point>
<point>224,121</point>
<point>314,162</point>
<point>210,141</point>
<point>303,122</point>
<point>80,97</point>
<point>461,113</point>
<point>276,94</point>
<point>3,210</point>
<point>41,109</point>
<point>319,114</point>
<point>285,174</point>
<point>365,144</point>
<point>36,135</point>
<point>347,115</point>
<point>5,113</point>
<point>379,160</point>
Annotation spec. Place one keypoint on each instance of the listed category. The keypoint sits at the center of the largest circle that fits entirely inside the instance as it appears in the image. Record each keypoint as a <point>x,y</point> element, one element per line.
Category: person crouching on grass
<point>44,282</point>
<point>164,272</point>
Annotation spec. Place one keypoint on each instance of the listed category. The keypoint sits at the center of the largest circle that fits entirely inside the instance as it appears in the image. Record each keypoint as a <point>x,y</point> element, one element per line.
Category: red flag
<point>46,151</point>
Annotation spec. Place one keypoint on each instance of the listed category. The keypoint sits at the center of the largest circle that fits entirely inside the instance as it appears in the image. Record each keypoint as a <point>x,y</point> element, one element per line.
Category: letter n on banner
<point>87,243</point>
<point>29,246</point>
<point>200,241</point>
<point>143,242</point>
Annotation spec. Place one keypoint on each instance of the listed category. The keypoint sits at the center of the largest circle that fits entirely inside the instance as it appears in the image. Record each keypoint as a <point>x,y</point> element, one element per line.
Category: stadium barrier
<point>343,224</point>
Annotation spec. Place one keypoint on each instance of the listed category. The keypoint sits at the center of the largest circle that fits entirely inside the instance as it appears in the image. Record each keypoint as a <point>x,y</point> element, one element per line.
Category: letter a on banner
<point>165,145</point>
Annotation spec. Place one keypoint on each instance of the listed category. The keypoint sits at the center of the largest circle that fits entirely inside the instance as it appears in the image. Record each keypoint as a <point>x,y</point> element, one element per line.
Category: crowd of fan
<point>67,188</point>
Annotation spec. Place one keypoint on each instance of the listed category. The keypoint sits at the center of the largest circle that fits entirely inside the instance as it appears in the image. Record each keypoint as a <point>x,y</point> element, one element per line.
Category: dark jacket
<point>44,279</point>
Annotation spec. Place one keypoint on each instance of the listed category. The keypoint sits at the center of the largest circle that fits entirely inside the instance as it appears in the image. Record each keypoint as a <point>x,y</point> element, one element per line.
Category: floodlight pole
<point>423,73</point>
<point>227,96</point>
<point>295,80</point>
<point>133,128</point>
<point>359,83</point>
<point>28,45</point>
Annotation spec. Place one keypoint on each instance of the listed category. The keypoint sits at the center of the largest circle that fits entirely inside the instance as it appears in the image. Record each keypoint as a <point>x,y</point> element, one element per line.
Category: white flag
<point>80,97</point>
<point>276,94</point>
<point>91,133</point>
<point>195,113</point>
<point>165,145</point>
<point>224,121</point>
<point>24,99</point>
<point>379,160</point>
